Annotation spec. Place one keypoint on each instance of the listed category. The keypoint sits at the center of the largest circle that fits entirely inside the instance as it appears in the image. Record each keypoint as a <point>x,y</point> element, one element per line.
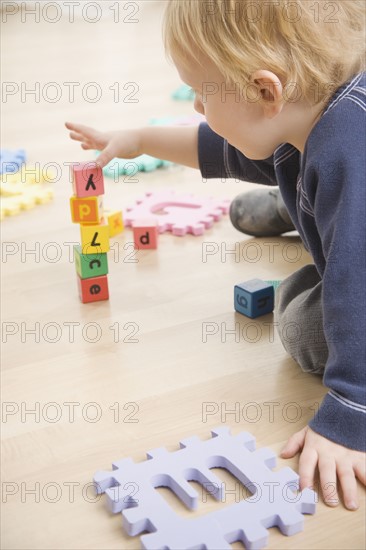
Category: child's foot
<point>261,213</point>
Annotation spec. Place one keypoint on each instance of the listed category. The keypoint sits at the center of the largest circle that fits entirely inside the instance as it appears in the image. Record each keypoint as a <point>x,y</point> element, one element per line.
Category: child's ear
<point>270,90</point>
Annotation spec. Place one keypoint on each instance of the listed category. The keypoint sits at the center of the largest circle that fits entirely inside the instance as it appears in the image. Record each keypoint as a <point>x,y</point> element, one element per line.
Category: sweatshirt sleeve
<point>218,159</point>
<point>339,205</point>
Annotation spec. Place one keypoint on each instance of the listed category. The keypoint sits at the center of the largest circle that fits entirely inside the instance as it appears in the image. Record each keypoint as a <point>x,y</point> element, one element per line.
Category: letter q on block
<point>87,179</point>
<point>254,298</point>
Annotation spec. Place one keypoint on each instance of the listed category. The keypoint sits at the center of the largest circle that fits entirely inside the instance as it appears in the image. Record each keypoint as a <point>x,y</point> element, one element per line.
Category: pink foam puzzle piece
<point>274,500</point>
<point>178,213</point>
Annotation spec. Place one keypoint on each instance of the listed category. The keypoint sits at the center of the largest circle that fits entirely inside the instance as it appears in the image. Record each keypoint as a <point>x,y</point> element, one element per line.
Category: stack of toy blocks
<point>87,210</point>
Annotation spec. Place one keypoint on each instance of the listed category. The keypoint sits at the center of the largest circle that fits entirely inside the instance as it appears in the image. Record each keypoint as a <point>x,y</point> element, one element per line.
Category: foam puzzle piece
<point>275,284</point>
<point>86,210</point>
<point>94,238</point>
<point>11,160</point>
<point>254,298</point>
<point>94,289</point>
<point>180,214</point>
<point>145,234</point>
<point>274,501</point>
<point>87,179</point>
<point>183,93</point>
<point>90,265</point>
<point>130,167</point>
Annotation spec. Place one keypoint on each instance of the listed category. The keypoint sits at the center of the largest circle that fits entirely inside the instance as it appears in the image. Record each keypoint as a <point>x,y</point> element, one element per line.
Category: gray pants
<point>299,316</point>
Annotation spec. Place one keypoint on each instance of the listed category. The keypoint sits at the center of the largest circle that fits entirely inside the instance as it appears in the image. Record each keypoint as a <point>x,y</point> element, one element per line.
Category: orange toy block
<point>94,289</point>
<point>145,233</point>
<point>87,179</point>
<point>86,210</point>
<point>94,238</point>
<point>115,222</point>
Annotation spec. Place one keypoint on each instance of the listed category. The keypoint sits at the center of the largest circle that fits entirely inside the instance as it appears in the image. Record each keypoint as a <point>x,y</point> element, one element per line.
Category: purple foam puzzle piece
<point>130,488</point>
<point>180,214</point>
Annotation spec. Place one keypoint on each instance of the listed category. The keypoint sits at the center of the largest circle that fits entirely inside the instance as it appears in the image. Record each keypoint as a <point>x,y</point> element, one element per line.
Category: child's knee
<point>303,338</point>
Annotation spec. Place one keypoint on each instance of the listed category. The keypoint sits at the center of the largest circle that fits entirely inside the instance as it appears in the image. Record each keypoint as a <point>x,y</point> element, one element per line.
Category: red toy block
<point>87,179</point>
<point>94,289</point>
<point>145,233</point>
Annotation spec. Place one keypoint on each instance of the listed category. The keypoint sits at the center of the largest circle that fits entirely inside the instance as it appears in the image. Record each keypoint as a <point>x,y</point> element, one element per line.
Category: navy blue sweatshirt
<point>325,193</point>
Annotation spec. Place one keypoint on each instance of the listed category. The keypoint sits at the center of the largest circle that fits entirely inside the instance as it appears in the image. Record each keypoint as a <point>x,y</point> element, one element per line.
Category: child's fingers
<point>307,465</point>
<point>105,156</point>
<point>328,480</point>
<point>349,487</point>
<point>86,131</point>
<point>293,445</point>
<point>360,471</point>
<point>76,137</point>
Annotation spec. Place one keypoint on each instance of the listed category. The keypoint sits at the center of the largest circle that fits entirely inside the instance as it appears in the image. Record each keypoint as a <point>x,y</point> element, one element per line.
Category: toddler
<point>283,90</point>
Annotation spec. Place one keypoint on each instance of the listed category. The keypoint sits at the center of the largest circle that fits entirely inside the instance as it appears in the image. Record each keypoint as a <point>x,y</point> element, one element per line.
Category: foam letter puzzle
<point>145,234</point>
<point>254,298</point>
<point>274,501</point>
<point>180,214</point>
<point>94,289</point>
<point>90,265</point>
<point>86,210</point>
<point>94,238</point>
<point>87,178</point>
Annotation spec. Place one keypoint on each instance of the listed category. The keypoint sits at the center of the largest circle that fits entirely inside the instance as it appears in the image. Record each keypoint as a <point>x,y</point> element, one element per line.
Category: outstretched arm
<point>177,144</point>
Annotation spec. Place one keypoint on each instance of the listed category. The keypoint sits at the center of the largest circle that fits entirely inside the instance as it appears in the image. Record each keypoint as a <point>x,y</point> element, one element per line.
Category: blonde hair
<point>312,46</point>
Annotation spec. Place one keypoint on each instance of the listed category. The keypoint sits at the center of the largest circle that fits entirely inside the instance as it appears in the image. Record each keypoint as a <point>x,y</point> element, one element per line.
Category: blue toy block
<point>254,298</point>
<point>11,161</point>
<point>183,93</point>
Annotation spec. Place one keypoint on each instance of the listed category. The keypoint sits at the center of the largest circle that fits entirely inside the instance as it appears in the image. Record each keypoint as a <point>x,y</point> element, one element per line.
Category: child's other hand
<point>333,461</point>
<point>125,144</point>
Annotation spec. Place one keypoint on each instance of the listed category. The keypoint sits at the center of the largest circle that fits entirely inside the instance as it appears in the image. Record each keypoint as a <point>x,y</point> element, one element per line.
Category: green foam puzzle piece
<point>183,93</point>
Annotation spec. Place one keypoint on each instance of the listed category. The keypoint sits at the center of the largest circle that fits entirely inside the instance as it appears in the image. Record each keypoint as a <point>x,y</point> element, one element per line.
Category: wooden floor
<point>158,362</point>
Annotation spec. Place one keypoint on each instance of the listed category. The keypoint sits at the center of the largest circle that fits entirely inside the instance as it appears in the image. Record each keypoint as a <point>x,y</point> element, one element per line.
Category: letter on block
<point>115,222</point>
<point>94,238</point>
<point>86,210</point>
<point>90,265</point>
<point>87,178</point>
<point>145,233</point>
<point>94,289</point>
<point>254,298</point>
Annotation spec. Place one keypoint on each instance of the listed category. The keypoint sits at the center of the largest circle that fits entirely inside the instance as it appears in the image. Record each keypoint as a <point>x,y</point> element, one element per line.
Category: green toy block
<point>90,265</point>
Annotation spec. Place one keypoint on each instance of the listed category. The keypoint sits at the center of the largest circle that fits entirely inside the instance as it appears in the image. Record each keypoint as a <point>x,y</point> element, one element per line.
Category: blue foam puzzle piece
<point>183,93</point>
<point>254,298</point>
<point>275,283</point>
<point>11,160</point>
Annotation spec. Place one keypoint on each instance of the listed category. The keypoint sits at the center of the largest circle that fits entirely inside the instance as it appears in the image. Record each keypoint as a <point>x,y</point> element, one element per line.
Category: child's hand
<point>125,144</point>
<point>333,461</point>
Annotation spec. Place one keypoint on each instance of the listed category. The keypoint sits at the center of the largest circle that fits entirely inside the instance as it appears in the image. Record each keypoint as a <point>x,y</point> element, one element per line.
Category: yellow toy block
<point>94,238</point>
<point>115,222</point>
